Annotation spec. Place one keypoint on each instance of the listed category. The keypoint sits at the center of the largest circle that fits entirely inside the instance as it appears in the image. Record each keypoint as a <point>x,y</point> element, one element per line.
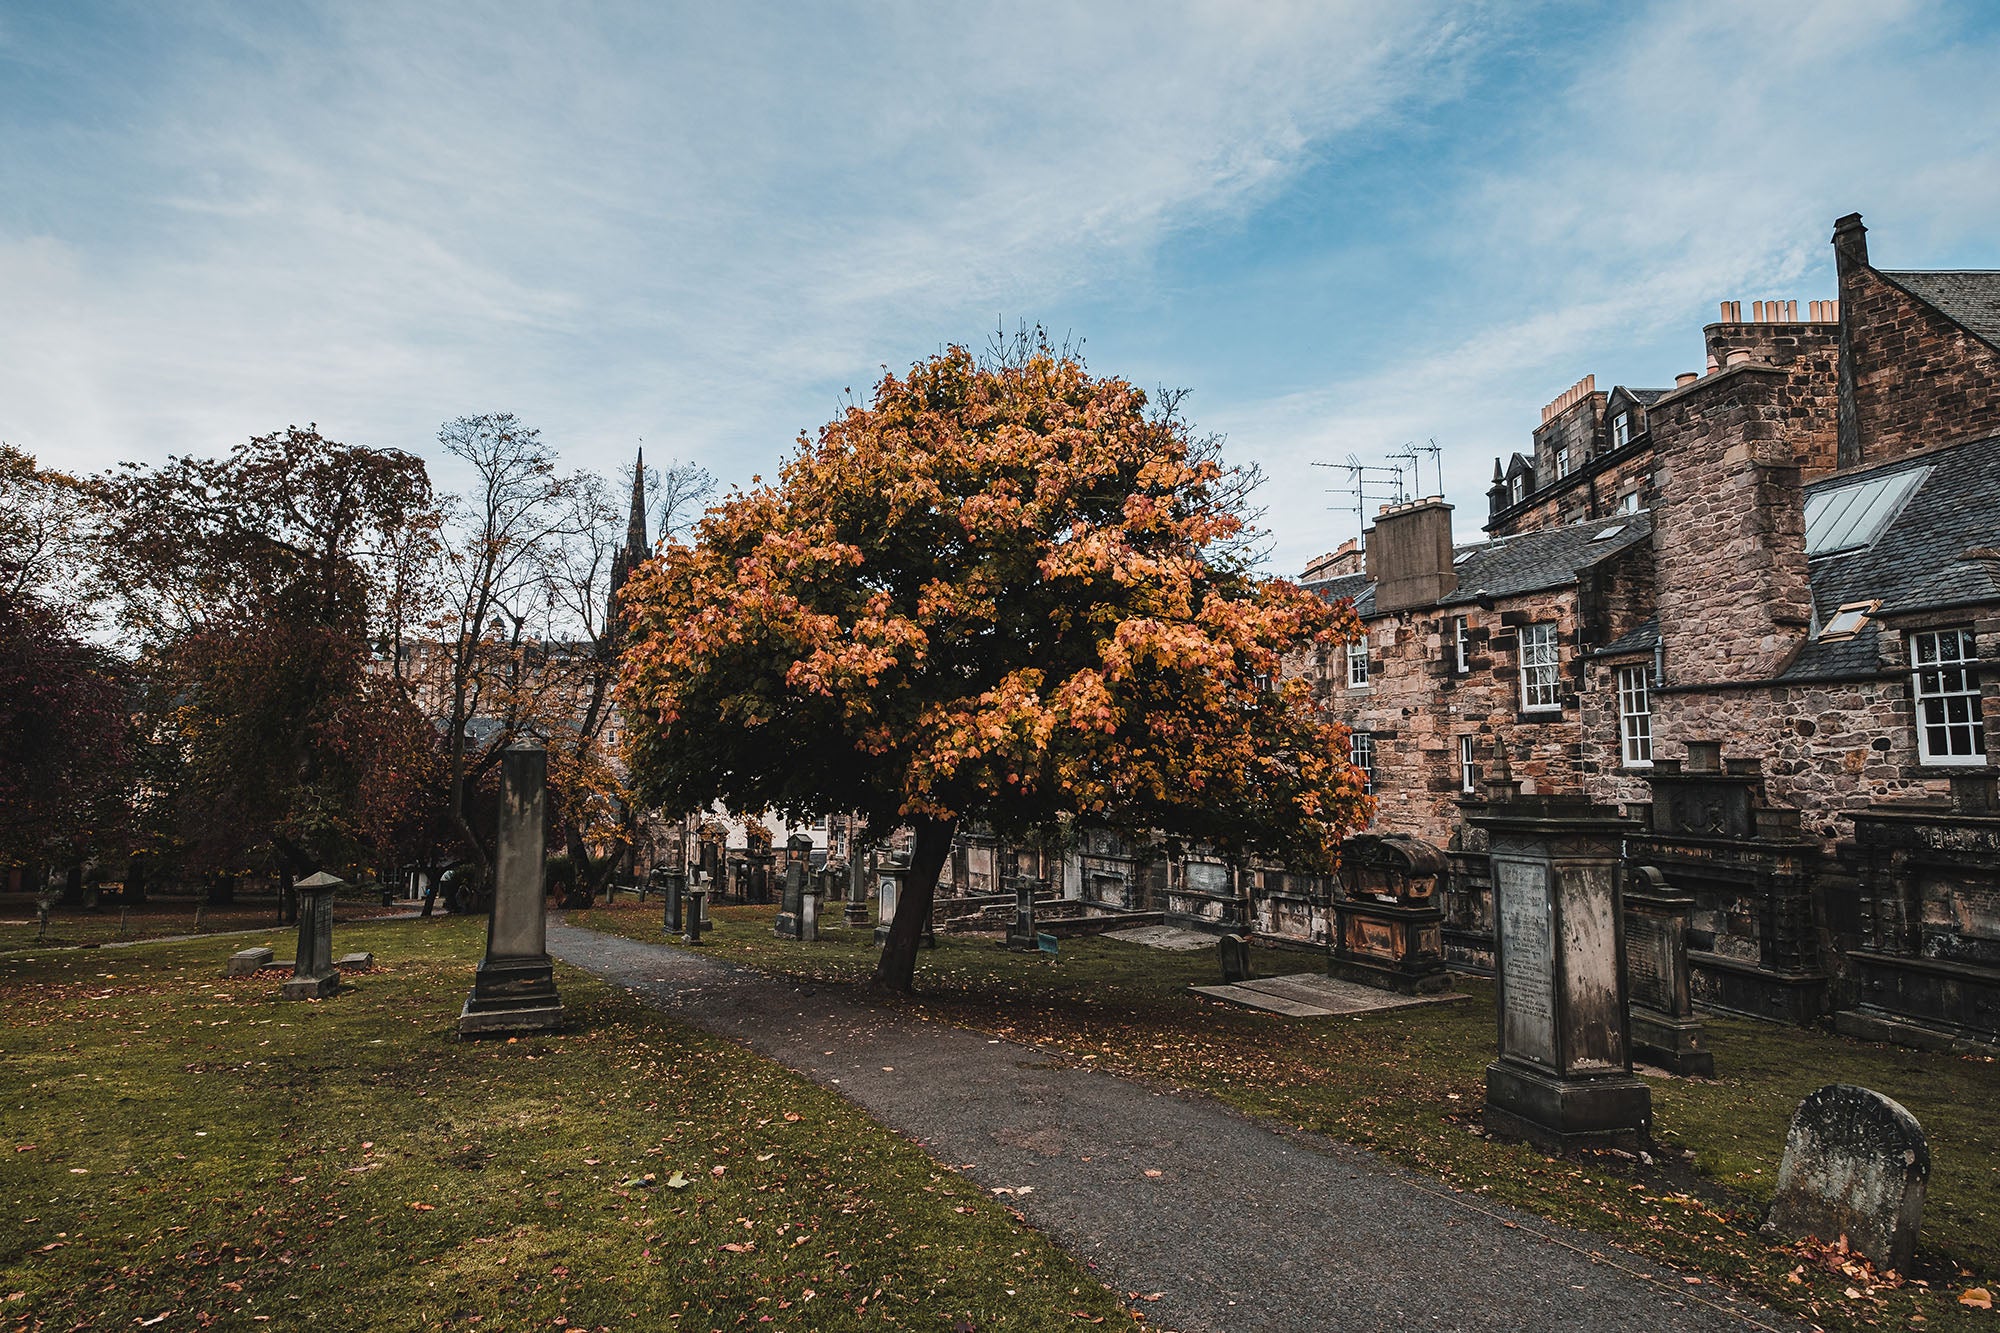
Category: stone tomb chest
<point>1387,920</point>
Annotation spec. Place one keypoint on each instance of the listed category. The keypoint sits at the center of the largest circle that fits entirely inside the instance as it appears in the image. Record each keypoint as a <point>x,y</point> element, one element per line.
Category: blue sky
<point>1342,226</point>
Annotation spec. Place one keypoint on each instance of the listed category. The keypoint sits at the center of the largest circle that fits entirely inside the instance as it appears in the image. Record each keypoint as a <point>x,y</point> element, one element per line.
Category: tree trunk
<point>897,968</point>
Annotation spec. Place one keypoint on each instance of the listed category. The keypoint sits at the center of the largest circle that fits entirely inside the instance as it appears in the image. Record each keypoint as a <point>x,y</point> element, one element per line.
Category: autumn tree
<point>258,588</point>
<point>1003,590</point>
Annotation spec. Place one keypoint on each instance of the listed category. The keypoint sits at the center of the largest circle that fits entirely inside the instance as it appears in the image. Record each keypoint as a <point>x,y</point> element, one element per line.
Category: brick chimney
<point>1850,261</point>
<point>1409,555</point>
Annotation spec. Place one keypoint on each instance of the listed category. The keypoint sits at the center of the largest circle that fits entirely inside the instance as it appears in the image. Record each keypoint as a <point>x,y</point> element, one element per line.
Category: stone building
<point>1753,609</point>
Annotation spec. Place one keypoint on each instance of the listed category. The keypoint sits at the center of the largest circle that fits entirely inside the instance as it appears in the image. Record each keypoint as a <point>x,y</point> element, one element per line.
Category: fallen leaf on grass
<point>424,1207</point>
<point>743,1248</point>
<point>677,1181</point>
<point>1154,1175</point>
<point>1977,1297</point>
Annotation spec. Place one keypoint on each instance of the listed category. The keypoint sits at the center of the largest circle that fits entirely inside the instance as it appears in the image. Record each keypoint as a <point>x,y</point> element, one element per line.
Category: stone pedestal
<point>314,976</point>
<point>1665,1032</point>
<point>888,889</point>
<point>676,890</point>
<point>855,914</point>
<point>1021,932</point>
<point>1564,1073</point>
<point>791,909</point>
<point>1387,921</point>
<point>515,988</point>
<point>695,916</point>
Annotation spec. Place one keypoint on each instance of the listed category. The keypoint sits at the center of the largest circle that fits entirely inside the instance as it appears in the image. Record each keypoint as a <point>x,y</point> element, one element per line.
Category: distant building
<point>1760,609</point>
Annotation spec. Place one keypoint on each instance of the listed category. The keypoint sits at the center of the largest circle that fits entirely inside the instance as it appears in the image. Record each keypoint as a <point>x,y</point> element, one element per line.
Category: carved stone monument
<point>1564,1073</point>
<point>314,976</point>
<point>1387,921</point>
<point>856,912</point>
<point>1665,1032</point>
<point>888,889</point>
<point>791,909</point>
<point>676,889</point>
<point>694,916</point>
<point>1856,1165</point>
<point>1021,933</point>
<point>515,988</point>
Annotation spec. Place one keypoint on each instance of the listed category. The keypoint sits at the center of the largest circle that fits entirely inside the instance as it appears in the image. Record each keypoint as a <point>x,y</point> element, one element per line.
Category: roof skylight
<point>1846,517</point>
<point>1608,533</point>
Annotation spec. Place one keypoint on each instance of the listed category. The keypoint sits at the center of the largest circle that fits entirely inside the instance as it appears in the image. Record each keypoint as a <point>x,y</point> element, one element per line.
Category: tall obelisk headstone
<point>1564,1073</point>
<point>515,988</point>
<point>313,974</point>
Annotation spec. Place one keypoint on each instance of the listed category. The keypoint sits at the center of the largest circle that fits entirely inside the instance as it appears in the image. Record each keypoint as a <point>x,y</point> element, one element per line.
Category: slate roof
<point>1640,639</point>
<point>1969,297</point>
<point>1510,566</point>
<point>1941,550</point>
<point>1647,397</point>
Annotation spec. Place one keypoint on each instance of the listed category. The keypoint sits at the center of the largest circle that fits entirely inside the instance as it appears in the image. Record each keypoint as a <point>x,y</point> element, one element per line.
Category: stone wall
<point>1729,529</point>
<point>1919,380</point>
<point>1809,353</point>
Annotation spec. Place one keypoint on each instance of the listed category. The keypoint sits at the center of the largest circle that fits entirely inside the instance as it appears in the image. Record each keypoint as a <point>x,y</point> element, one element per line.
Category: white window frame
<point>1468,765</point>
<point>1628,503</point>
<point>1562,462</point>
<point>1361,753</point>
<point>1461,644</point>
<point>1621,430</point>
<point>1945,697</point>
<point>1540,657</point>
<point>1357,664</point>
<point>1635,716</point>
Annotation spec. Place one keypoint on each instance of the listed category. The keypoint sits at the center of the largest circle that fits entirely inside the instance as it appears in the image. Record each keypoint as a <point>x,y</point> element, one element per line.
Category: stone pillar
<point>696,916</point>
<point>856,912</point>
<point>888,889</point>
<point>515,988</point>
<point>1665,1031</point>
<point>1021,934</point>
<point>676,889</point>
<point>314,976</point>
<point>792,909</point>
<point>1564,1073</point>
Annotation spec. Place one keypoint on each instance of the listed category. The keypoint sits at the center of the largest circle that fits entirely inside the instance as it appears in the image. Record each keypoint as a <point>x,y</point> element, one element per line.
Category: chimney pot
<point>1685,378</point>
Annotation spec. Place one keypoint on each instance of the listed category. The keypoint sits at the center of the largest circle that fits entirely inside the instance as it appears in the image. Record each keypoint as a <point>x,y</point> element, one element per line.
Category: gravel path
<point>1240,1227</point>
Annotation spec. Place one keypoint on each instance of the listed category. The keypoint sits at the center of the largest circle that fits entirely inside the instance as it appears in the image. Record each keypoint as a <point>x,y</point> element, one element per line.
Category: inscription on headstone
<point>1527,962</point>
<point>1207,877</point>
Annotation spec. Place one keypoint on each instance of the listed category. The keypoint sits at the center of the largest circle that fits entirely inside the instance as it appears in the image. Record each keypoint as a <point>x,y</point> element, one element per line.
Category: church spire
<point>636,545</point>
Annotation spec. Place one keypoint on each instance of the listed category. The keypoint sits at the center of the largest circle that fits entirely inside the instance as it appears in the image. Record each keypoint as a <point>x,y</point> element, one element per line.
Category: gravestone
<point>791,908</point>
<point>809,917</point>
<point>1046,943</point>
<point>671,910</point>
<point>1387,921</point>
<point>695,915</point>
<point>1021,933</point>
<point>1665,1032</point>
<point>355,962</point>
<point>856,911</point>
<point>313,974</point>
<point>515,987</point>
<point>1234,952</point>
<point>1564,1073</point>
<point>244,962</point>
<point>1855,1165</point>
<point>888,888</point>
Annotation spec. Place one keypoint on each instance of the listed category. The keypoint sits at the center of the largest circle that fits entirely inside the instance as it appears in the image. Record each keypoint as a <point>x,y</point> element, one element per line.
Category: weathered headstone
<point>246,961</point>
<point>1234,952</point>
<point>671,910</point>
<point>1665,1032</point>
<point>1564,1073</point>
<point>695,916</point>
<point>888,888</point>
<point>313,974</point>
<point>1021,934</point>
<point>1855,1165</point>
<point>790,909</point>
<point>856,912</point>
<point>515,987</point>
<point>355,962</point>
<point>809,916</point>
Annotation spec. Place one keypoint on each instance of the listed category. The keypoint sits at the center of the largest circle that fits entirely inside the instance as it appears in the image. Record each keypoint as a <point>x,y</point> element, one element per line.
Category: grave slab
<point>1313,995</point>
<point>1171,938</point>
<point>246,961</point>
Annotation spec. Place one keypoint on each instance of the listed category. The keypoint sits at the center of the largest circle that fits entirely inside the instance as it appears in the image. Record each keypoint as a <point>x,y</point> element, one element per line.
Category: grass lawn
<point>1410,1083</point>
<point>183,1151</point>
<point>156,918</point>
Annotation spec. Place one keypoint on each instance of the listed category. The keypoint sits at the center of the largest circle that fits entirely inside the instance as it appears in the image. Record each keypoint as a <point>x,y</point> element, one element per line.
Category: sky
<point>1342,227</point>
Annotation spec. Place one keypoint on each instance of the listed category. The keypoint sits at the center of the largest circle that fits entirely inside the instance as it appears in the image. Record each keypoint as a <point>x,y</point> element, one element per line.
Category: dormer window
<point>1516,489</point>
<point>1621,430</point>
<point>1562,462</point>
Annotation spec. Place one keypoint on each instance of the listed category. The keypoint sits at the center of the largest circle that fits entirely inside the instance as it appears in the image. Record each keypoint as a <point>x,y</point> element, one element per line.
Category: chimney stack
<point>1409,555</point>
